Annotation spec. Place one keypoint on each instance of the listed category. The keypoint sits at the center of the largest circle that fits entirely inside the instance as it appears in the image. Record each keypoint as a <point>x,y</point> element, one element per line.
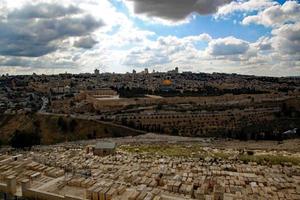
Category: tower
<point>146,71</point>
<point>96,72</point>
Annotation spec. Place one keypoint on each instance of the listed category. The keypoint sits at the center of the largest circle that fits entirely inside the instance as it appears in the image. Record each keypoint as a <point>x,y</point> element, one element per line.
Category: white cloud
<point>229,54</point>
<point>244,6</point>
<point>285,35</point>
<point>227,46</point>
<point>167,50</point>
<point>276,15</point>
<point>202,37</point>
<point>287,39</point>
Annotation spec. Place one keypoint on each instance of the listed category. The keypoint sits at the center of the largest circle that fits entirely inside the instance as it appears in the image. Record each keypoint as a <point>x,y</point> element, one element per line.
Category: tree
<point>62,124</point>
<point>106,130</point>
<point>73,124</point>
<point>174,131</point>
<point>123,121</point>
<point>131,124</point>
<point>22,139</point>
<point>159,106</point>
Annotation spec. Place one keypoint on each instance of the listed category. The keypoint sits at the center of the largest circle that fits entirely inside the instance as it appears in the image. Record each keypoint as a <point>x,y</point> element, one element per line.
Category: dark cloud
<point>23,62</point>
<point>33,38</point>
<point>42,10</point>
<point>14,61</point>
<point>176,9</point>
<point>85,42</point>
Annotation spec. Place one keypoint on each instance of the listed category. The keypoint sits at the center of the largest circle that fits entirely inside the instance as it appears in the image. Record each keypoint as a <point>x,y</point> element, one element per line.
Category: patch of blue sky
<point>207,24</point>
<point>216,28</point>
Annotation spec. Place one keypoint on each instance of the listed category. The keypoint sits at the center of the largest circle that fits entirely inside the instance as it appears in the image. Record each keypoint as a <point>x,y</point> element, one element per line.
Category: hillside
<point>55,129</point>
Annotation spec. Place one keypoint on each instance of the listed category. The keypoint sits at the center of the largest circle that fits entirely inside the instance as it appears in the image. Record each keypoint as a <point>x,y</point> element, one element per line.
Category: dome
<point>167,82</point>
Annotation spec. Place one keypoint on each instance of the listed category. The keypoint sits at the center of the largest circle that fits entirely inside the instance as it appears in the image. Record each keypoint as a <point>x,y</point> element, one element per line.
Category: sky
<point>256,37</point>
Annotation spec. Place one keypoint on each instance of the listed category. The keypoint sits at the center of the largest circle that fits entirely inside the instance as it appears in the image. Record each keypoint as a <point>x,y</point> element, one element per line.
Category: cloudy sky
<point>260,37</point>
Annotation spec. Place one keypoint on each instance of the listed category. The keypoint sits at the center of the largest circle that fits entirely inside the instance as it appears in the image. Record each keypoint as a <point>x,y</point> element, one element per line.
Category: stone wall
<point>216,100</point>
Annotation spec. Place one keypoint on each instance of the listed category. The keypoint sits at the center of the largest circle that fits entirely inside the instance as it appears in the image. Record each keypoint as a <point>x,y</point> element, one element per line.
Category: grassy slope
<point>52,133</point>
<point>197,151</point>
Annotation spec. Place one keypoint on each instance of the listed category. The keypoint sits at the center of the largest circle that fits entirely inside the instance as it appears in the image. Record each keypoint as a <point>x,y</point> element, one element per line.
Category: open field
<point>291,145</point>
<point>197,151</point>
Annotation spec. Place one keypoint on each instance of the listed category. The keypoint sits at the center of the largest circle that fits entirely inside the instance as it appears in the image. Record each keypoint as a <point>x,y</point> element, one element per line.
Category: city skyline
<point>245,37</point>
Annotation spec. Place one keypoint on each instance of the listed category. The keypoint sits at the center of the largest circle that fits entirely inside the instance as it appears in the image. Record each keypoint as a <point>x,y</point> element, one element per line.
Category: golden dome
<point>167,82</point>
